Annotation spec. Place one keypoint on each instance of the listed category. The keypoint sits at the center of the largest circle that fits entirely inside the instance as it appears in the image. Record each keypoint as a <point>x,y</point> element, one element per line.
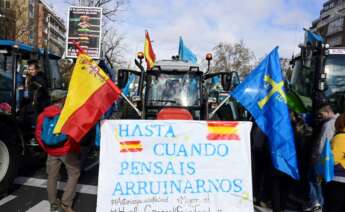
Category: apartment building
<point>7,20</point>
<point>32,22</point>
<point>331,23</point>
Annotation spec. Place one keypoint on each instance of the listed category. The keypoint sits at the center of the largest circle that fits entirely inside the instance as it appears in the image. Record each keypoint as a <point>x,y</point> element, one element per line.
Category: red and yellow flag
<point>90,95</point>
<point>222,131</point>
<point>148,52</point>
<point>131,146</point>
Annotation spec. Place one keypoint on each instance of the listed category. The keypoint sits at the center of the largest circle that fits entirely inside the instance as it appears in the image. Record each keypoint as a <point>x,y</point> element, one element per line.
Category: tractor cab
<point>174,84</point>
<point>176,89</point>
<point>329,80</point>
<point>14,59</point>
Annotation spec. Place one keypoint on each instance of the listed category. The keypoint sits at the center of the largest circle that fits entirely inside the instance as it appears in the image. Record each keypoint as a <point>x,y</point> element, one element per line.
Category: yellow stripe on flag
<point>129,146</point>
<point>84,82</point>
<point>222,130</point>
<point>148,51</point>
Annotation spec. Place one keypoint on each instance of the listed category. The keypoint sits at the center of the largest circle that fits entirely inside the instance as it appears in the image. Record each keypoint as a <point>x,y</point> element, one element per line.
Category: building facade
<point>7,20</point>
<point>330,25</point>
<point>51,29</point>
<point>34,22</point>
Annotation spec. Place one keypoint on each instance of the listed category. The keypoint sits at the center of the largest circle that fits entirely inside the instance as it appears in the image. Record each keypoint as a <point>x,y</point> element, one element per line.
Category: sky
<point>261,24</point>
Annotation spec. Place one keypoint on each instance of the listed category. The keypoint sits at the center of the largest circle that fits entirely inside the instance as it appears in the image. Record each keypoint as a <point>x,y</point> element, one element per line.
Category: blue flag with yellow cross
<point>262,93</point>
<point>325,166</point>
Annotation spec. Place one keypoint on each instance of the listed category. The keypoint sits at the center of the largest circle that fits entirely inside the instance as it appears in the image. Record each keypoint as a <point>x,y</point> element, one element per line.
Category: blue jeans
<point>315,189</point>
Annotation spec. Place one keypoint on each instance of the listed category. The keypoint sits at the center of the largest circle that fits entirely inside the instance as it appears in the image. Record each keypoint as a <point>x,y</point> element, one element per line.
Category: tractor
<point>17,139</point>
<point>173,89</point>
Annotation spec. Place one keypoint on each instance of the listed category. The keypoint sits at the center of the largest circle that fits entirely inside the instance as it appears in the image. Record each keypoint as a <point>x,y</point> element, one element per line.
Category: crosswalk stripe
<point>42,183</point>
<point>42,206</point>
<point>5,200</point>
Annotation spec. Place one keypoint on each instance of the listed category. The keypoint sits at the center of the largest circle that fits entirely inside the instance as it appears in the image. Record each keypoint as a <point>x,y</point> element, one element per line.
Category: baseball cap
<point>57,95</point>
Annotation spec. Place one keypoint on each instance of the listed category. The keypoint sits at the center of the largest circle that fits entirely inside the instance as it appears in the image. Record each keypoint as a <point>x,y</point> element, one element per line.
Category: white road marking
<point>42,206</point>
<point>42,183</point>
<point>6,199</point>
<point>91,166</point>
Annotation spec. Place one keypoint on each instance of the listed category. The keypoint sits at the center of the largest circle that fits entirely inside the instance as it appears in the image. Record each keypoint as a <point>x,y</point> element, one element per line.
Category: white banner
<point>174,166</point>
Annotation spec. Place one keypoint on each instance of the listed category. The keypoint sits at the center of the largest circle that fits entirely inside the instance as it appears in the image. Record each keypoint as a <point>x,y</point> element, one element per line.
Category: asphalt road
<point>29,190</point>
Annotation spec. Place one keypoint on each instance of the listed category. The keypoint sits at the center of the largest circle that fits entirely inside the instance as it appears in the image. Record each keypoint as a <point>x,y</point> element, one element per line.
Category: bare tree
<point>233,57</point>
<point>112,46</point>
<point>22,28</point>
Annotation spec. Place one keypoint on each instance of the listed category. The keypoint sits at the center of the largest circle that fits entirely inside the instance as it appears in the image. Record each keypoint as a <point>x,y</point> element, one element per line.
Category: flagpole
<point>219,106</point>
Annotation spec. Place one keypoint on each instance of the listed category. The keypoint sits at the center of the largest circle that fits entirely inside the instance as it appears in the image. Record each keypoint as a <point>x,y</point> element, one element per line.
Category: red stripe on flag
<point>132,150</point>
<point>85,117</point>
<point>214,137</point>
<point>129,142</point>
<point>222,124</point>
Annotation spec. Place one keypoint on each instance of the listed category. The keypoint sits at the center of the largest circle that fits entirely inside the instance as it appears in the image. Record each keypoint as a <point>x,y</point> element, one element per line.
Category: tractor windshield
<point>178,89</point>
<point>335,74</point>
<point>5,78</point>
<point>302,79</point>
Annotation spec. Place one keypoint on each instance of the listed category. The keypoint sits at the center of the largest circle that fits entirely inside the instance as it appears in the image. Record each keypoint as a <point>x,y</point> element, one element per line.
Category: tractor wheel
<point>9,160</point>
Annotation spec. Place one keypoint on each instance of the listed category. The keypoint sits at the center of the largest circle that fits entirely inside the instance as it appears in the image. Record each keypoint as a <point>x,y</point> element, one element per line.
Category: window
<point>181,89</point>
<point>335,40</point>
<point>5,78</point>
<point>335,26</point>
<point>7,4</point>
<point>334,67</point>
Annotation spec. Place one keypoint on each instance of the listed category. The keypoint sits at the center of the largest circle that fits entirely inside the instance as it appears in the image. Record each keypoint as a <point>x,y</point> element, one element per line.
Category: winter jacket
<point>327,133</point>
<point>69,146</point>
<point>338,149</point>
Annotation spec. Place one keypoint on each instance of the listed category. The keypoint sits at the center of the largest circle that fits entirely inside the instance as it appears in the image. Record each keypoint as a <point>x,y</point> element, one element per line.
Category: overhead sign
<point>174,166</point>
<point>84,26</point>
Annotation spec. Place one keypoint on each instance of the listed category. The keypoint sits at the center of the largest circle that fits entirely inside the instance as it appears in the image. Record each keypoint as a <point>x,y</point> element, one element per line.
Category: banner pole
<point>219,106</point>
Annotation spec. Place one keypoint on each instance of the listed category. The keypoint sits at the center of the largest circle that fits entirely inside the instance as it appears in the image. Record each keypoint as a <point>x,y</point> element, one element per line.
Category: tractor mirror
<point>122,78</point>
<point>226,81</point>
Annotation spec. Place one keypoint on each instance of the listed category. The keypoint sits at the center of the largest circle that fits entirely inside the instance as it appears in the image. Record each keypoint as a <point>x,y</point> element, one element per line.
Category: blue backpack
<point>49,138</point>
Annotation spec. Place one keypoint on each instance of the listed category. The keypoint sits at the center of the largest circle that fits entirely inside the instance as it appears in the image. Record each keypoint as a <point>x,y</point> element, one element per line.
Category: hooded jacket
<point>69,145</point>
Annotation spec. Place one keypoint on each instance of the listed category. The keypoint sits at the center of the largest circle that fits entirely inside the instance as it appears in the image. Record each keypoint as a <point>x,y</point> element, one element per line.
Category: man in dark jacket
<point>36,95</point>
<point>37,86</point>
<point>67,154</point>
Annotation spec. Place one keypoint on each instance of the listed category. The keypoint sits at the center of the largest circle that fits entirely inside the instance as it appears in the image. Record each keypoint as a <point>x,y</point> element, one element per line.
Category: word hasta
<point>137,130</point>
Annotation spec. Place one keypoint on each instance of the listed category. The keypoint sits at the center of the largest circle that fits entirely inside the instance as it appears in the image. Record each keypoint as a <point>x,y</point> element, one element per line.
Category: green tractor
<point>318,74</point>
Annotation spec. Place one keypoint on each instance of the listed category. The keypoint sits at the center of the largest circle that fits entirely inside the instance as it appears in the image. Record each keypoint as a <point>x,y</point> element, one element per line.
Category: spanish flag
<point>148,52</point>
<point>222,131</point>
<point>90,95</point>
<point>131,146</point>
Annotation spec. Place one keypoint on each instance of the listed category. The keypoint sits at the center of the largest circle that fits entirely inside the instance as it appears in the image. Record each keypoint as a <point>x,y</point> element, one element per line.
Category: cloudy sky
<point>262,24</point>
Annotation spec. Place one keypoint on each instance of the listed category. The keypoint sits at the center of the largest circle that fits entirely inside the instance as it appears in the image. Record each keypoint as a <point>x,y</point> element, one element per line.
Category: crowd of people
<point>311,192</point>
<point>271,188</point>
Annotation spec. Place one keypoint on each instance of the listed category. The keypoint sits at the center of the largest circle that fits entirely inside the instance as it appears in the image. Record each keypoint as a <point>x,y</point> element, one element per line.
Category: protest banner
<point>84,27</point>
<point>174,166</point>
